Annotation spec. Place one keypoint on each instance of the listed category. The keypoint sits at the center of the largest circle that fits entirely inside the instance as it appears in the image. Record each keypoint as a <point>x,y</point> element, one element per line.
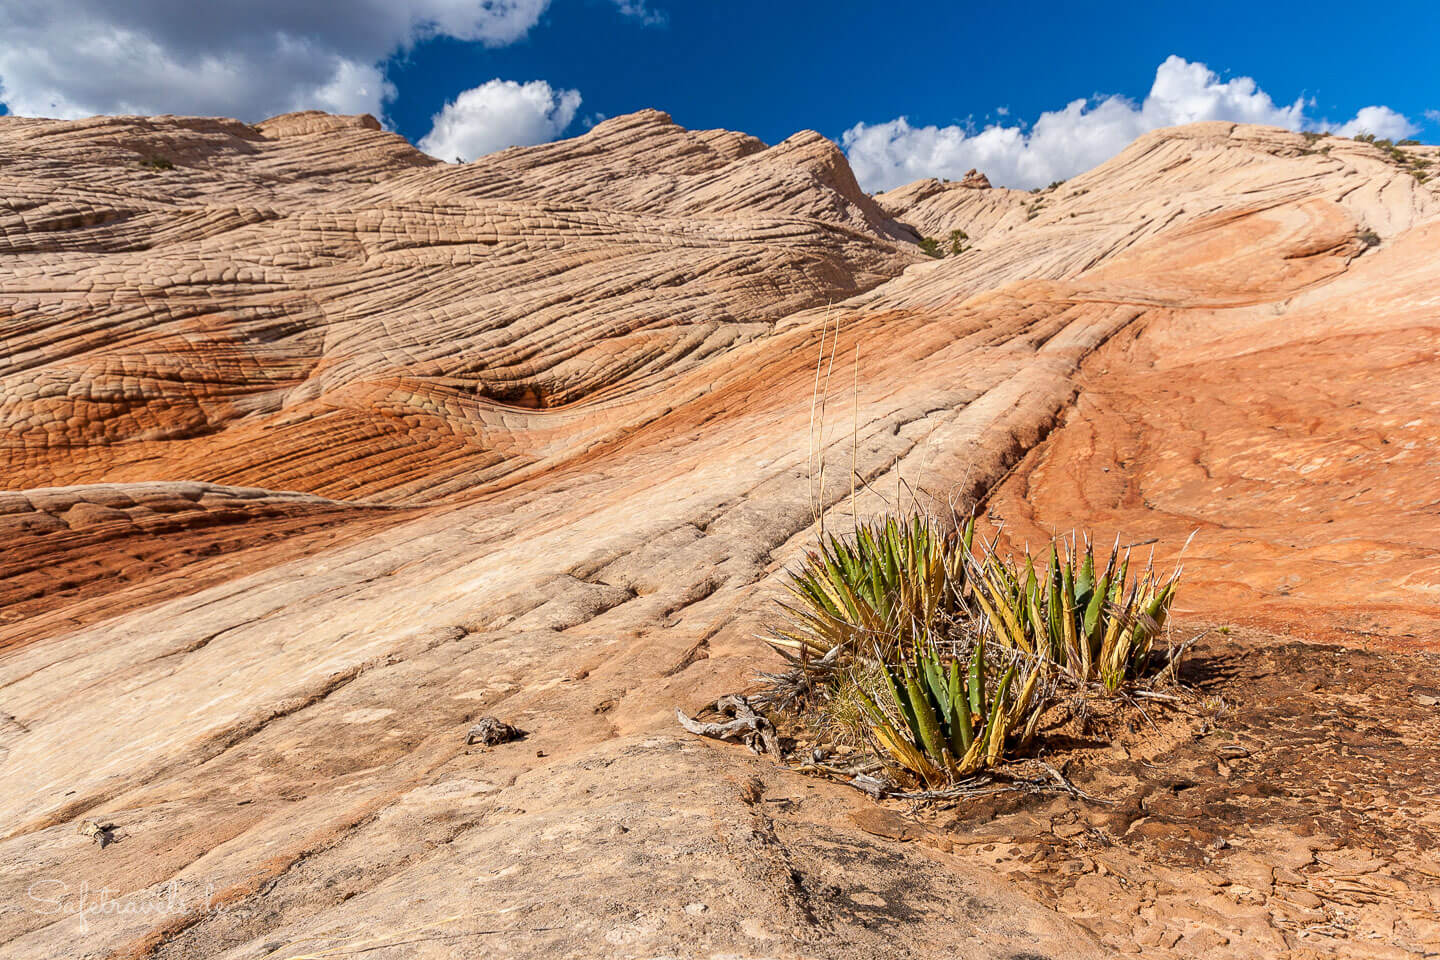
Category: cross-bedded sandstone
<point>315,450</point>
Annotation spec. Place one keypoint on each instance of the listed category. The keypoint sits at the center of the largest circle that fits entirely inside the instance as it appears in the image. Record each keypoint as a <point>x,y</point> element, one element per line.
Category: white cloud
<point>1433,116</point>
<point>1381,122</point>
<point>499,114</point>
<point>1085,133</point>
<point>243,58</point>
<point>641,10</point>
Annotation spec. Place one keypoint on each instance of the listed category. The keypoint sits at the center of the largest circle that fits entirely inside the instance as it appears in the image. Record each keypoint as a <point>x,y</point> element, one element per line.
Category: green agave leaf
<point>935,679</point>
<point>902,702</point>
<point>999,725</point>
<point>975,686</point>
<point>930,736</point>
<point>1085,580</point>
<point>1094,609</point>
<point>962,732</point>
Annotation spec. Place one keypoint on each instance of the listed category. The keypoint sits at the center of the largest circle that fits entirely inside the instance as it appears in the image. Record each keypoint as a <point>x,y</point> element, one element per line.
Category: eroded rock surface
<point>316,451</point>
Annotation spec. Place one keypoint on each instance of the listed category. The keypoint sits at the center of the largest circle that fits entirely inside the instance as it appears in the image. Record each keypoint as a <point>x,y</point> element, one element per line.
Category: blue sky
<point>771,68</point>
<point>849,69</point>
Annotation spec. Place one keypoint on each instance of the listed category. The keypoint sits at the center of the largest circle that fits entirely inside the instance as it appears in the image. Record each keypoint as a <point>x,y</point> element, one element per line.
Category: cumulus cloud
<point>243,58</point>
<point>499,114</point>
<point>1062,143</point>
<point>1378,121</point>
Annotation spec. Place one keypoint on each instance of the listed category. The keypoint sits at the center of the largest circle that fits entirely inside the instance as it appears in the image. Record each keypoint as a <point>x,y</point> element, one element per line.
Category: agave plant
<point>1098,628</point>
<point>877,618</point>
<point>893,580</point>
<point>940,718</point>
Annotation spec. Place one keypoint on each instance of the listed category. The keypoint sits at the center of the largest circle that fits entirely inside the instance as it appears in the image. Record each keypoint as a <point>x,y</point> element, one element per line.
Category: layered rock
<point>975,180</point>
<point>317,450</point>
<point>186,303</point>
<point>933,208</point>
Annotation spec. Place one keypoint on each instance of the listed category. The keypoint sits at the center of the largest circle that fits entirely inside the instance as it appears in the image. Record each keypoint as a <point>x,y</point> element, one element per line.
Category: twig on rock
<point>747,727</point>
<point>979,786</point>
<point>1069,787</point>
<point>874,786</point>
<point>490,732</point>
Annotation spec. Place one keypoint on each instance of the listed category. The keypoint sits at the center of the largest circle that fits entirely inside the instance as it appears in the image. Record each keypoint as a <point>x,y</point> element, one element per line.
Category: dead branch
<point>747,727</point>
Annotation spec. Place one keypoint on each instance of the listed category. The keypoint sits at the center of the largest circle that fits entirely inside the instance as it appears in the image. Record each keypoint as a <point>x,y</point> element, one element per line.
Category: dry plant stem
<point>1069,787</point>
<point>814,402</point>
<point>854,441</point>
<point>824,402</point>
<point>980,786</point>
<point>783,690</point>
<point>817,440</point>
<point>1139,709</point>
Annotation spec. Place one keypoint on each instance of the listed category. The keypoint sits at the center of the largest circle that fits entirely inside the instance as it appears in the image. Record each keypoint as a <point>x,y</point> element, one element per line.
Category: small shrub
<point>940,718</point>
<point>1216,711</point>
<point>930,247</point>
<point>942,655</point>
<point>1368,239</point>
<point>1098,625</point>
<point>899,584</point>
<point>957,242</point>
<point>157,163</point>
<point>1364,138</point>
<point>1408,143</point>
<point>1395,154</point>
<point>876,590</point>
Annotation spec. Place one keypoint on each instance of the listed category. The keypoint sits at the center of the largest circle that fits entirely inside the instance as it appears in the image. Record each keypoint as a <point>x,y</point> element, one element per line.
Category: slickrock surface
<point>243,319</point>
<point>934,208</point>
<point>315,451</point>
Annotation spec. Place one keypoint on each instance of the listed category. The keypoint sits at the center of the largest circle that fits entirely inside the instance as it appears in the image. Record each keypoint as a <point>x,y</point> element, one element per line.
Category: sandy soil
<point>1288,810</point>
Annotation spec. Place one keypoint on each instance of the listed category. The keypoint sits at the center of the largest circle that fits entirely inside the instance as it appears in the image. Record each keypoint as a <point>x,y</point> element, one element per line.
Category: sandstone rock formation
<point>934,208</point>
<point>315,450</point>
